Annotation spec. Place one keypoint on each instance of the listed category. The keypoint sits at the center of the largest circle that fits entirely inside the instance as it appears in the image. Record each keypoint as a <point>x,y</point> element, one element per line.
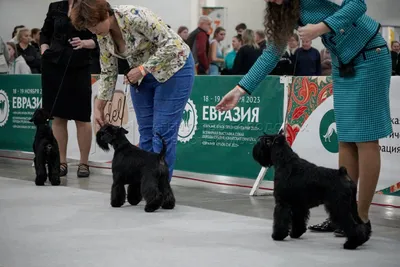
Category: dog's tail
<point>164,147</point>
<point>343,172</point>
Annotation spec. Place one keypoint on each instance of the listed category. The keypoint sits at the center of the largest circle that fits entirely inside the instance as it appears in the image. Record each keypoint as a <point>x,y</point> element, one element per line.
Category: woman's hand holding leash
<point>135,75</point>
<point>231,99</point>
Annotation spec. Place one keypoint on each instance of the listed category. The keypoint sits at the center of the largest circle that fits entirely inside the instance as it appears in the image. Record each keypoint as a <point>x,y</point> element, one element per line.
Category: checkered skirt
<point>361,103</point>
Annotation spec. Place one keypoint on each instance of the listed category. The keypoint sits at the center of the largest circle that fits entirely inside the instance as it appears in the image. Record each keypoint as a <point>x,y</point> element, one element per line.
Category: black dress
<point>74,100</point>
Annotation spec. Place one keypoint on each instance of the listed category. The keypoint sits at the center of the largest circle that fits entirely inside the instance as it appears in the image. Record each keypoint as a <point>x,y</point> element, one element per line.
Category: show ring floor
<point>64,226</point>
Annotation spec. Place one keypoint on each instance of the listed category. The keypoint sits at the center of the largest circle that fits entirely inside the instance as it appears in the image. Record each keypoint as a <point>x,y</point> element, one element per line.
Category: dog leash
<point>123,106</point>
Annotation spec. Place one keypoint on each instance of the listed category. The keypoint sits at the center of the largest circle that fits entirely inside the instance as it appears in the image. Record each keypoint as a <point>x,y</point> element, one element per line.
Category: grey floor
<point>74,225</point>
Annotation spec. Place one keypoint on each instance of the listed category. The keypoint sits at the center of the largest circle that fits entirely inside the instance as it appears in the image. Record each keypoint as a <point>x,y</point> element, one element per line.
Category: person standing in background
<point>240,28</point>
<point>395,53</point>
<point>35,38</point>
<point>216,56</point>
<point>247,54</point>
<point>4,57</point>
<point>29,52</point>
<point>308,60</point>
<point>286,64</point>
<point>66,49</point>
<point>326,62</point>
<point>260,39</point>
<point>230,57</point>
<point>183,32</point>
<point>17,64</point>
<point>199,44</point>
<point>14,33</point>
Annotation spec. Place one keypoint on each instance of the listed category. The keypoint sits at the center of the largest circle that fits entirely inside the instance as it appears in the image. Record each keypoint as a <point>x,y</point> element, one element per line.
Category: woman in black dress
<point>61,46</point>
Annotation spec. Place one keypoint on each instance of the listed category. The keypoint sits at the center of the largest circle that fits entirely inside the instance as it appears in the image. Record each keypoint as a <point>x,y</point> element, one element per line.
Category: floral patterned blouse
<point>149,42</point>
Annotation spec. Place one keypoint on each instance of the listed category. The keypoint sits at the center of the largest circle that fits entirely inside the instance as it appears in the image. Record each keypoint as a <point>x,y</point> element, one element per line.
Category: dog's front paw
<point>117,203</point>
<point>169,202</point>
<point>55,181</point>
<point>351,244</point>
<point>297,233</point>
<point>150,208</point>
<point>134,195</point>
<point>279,236</point>
<point>40,180</point>
<point>153,205</point>
<point>362,236</point>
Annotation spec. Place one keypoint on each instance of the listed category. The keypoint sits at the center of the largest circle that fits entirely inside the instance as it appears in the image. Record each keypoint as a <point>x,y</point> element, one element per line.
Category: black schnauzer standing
<point>46,151</point>
<point>300,185</point>
<point>146,173</point>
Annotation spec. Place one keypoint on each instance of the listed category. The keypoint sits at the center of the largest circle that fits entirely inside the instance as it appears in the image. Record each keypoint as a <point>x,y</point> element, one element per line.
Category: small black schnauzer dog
<point>45,148</point>
<point>146,173</point>
<point>300,185</point>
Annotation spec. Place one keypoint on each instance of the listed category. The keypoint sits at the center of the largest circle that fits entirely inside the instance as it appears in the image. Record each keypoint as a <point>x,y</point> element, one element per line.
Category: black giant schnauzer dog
<point>300,185</point>
<point>46,150</point>
<point>146,173</point>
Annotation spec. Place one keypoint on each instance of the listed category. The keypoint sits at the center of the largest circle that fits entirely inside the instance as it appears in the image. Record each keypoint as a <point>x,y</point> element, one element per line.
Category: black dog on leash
<point>300,185</point>
<point>146,173</point>
<point>45,148</point>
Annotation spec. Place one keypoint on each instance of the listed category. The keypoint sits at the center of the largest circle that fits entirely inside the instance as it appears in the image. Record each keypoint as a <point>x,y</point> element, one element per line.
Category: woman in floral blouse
<point>161,74</point>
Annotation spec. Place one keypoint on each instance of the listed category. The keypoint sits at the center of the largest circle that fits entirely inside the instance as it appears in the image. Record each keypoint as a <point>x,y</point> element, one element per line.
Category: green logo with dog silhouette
<point>188,125</point>
<point>328,133</point>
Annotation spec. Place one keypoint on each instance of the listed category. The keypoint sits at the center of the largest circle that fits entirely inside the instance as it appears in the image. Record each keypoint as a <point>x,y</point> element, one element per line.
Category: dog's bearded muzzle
<point>262,153</point>
<point>101,140</point>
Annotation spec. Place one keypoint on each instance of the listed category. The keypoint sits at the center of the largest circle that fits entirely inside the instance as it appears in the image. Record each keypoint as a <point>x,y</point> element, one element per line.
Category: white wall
<point>181,12</point>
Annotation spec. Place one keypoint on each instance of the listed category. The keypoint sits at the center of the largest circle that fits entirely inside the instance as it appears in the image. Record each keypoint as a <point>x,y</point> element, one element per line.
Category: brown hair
<point>280,21</point>
<point>15,49</point>
<point>182,28</point>
<point>34,31</point>
<point>241,26</point>
<point>239,38</point>
<point>89,13</point>
<point>218,30</point>
<point>295,36</point>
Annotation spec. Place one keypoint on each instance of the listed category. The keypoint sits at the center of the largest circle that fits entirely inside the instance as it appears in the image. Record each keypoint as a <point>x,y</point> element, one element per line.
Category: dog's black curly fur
<point>146,173</point>
<point>300,185</point>
<point>45,148</point>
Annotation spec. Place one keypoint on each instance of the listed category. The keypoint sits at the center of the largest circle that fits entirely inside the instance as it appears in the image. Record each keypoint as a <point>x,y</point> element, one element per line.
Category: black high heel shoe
<point>324,227</point>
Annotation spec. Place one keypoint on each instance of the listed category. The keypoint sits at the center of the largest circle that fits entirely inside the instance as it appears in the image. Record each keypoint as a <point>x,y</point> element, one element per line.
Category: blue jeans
<point>159,108</point>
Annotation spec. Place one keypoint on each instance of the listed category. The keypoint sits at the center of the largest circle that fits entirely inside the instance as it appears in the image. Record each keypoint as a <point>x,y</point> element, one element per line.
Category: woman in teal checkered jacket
<point>361,70</point>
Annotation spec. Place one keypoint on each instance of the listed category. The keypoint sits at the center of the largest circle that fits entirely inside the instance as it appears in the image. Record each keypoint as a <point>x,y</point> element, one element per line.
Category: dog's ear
<point>33,116</point>
<point>280,139</point>
<point>123,130</point>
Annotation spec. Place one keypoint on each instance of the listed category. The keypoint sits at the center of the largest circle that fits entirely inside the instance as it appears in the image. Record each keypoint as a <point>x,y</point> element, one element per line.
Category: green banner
<point>221,143</point>
<point>20,95</point>
<point>209,142</point>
